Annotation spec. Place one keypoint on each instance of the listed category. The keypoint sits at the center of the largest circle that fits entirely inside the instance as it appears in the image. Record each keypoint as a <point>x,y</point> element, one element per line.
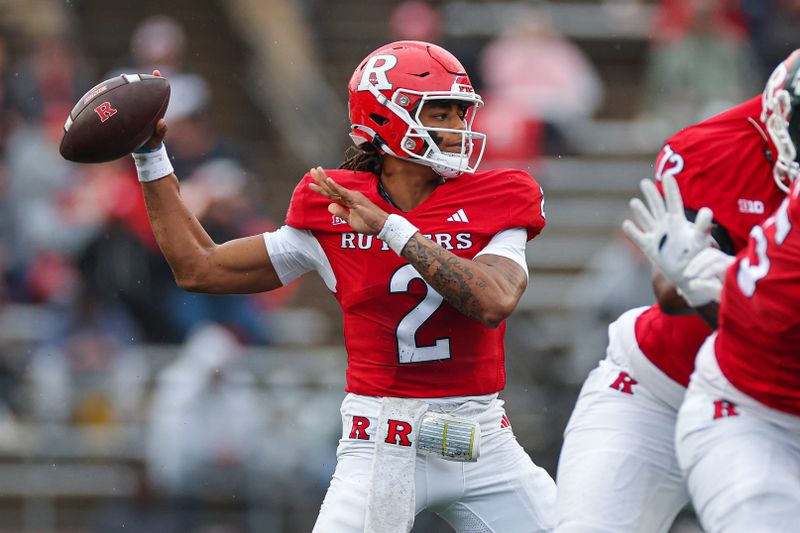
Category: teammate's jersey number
<point>674,159</point>
<point>407,348</point>
<point>749,274</point>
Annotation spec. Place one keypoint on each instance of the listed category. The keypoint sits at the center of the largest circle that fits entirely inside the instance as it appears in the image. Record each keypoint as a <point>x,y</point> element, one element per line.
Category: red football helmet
<point>387,92</point>
<point>780,111</point>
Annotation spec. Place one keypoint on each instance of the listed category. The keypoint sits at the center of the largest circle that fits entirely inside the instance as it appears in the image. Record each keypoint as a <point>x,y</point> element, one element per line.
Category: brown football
<point>114,118</point>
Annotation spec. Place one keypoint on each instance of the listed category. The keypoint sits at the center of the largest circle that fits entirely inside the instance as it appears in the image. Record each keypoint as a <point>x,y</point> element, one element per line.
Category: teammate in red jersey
<point>618,470</point>
<point>426,257</point>
<point>738,430</point>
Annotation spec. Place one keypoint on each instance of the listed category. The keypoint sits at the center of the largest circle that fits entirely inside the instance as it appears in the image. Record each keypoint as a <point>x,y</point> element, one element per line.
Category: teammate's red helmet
<point>781,114</point>
<point>387,92</point>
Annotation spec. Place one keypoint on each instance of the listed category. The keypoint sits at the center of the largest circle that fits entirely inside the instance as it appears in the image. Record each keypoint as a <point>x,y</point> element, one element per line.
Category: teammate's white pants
<point>617,471</point>
<point>741,459</point>
<point>502,492</point>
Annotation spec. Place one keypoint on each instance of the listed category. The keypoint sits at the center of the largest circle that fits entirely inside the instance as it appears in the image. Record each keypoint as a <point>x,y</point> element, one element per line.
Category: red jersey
<point>402,338</point>
<point>722,163</point>
<point>758,344</point>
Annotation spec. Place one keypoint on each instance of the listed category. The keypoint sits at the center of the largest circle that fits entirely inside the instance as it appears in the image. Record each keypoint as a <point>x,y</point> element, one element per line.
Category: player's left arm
<point>486,288</point>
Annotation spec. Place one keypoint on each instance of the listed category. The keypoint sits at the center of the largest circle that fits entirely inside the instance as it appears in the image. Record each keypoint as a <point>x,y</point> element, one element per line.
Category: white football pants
<point>741,459</point>
<point>502,492</point>
<point>617,472</point>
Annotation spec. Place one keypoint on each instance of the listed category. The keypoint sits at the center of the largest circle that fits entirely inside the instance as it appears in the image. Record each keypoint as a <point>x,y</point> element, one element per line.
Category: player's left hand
<point>666,237</point>
<point>356,209</point>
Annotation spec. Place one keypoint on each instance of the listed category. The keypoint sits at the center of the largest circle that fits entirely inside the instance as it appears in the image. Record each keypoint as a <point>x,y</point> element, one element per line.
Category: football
<point>114,118</point>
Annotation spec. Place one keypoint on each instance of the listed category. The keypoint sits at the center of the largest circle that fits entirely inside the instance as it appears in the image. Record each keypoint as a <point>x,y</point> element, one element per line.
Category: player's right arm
<point>198,263</point>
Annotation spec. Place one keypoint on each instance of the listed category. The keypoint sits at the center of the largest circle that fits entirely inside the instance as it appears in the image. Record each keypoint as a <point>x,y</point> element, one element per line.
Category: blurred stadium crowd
<point>129,405</point>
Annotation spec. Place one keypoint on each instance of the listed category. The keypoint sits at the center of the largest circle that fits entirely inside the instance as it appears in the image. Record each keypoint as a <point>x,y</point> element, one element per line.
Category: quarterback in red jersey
<point>624,419</point>
<point>426,257</point>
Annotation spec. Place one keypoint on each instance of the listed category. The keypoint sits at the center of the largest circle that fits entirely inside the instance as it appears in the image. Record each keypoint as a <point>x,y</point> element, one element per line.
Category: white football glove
<point>706,272</point>
<point>666,237</point>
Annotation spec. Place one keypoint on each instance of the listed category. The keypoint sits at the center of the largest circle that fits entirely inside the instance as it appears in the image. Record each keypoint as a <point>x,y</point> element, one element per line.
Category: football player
<point>618,470</point>
<point>738,430</point>
<point>426,257</point>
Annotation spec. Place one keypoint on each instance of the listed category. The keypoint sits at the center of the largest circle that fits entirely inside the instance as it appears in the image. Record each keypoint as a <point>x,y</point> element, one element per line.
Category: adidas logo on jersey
<point>458,216</point>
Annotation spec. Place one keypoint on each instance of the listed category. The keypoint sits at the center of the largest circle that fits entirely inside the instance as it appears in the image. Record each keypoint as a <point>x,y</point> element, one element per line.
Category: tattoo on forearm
<point>446,273</point>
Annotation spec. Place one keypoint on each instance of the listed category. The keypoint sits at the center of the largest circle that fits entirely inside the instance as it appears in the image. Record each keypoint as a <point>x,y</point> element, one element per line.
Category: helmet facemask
<point>419,144</point>
<point>782,119</point>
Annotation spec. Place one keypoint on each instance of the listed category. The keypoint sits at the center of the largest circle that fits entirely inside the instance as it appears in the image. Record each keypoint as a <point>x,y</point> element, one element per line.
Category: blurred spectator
<point>89,373</point>
<point>43,222</point>
<point>50,79</point>
<point>700,63</point>
<point>415,20</point>
<point>159,42</point>
<point>49,222</point>
<point>421,20</point>
<point>675,19</point>
<point>193,141</point>
<point>540,76</point>
<point>207,431</point>
<point>515,139</point>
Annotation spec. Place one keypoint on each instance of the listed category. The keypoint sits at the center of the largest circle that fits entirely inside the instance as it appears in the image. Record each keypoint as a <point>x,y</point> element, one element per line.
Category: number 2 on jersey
<point>406,332</point>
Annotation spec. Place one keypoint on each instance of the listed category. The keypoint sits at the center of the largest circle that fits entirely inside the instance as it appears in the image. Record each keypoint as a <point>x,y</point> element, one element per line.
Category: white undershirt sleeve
<point>294,252</point>
<point>509,243</point>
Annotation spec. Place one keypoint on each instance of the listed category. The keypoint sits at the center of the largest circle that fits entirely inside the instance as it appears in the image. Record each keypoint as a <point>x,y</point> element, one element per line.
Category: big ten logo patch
<point>724,409</point>
<point>105,111</point>
<point>755,207</point>
<point>398,432</point>
<point>624,383</point>
<point>359,241</point>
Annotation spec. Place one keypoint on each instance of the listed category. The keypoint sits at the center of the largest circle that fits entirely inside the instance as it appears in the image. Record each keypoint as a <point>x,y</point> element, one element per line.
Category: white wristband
<point>152,164</point>
<point>396,232</point>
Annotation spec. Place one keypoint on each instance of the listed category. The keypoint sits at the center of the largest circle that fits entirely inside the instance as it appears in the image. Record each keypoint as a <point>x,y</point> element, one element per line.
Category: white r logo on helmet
<point>375,72</point>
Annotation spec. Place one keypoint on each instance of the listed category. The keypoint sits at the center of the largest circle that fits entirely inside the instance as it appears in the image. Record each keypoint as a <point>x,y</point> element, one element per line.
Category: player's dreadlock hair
<point>363,158</point>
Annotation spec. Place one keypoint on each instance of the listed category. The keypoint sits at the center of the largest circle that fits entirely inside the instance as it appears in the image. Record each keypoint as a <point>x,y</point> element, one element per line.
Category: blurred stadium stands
<point>277,71</point>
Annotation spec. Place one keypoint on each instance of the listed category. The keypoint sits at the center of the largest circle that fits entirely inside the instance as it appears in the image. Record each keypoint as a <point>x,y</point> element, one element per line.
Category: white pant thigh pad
<point>742,463</point>
<point>617,470</point>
